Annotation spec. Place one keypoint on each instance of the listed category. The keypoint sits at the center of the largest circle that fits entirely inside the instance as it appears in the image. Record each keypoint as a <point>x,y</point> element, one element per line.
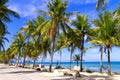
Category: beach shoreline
<point>10,72</point>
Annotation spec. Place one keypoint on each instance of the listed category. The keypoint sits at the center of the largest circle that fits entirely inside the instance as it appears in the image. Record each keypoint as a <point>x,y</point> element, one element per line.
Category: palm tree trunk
<point>81,69</point>
<point>51,60</point>
<point>18,59</point>
<point>109,70</point>
<point>42,60</point>
<point>24,61</point>
<point>51,54</point>
<point>82,48</point>
<point>70,59</point>
<point>101,54</point>
<point>34,63</point>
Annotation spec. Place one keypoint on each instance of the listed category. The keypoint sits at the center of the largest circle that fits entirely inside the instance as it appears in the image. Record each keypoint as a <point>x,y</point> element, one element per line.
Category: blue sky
<point>27,8</point>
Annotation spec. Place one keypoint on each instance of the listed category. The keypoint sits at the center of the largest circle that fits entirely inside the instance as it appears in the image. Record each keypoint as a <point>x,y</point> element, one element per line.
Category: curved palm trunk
<point>109,70</point>
<point>52,36</point>
<point>51,60</point>
<point>101,54</point>
<point>51,54</point>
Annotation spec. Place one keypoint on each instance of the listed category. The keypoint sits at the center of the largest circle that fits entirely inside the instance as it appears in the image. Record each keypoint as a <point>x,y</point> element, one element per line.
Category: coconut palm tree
<point>45,43</point>
<point>17,46</point>
<point>58,20</point>
<point>33,48</point>
<point>40,38</point>
<point>71,43</point>
<point>101,4</point>
<point>60,44</point>
<point>107,30</point>
<point>95,39</point>
<point>5,14</point>
<point>81,23</point>
<point>25,53</point>
<point>30,33</point>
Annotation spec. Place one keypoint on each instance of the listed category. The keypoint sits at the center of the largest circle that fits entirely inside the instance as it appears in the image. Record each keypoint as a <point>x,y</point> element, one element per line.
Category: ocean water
<point>95,66</point>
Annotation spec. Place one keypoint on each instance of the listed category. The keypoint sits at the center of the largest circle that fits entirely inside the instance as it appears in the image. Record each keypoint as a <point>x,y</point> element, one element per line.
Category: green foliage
<point>76,57</point>
<point>5,14</point>
<point>107,28</point>
<point>4,58</point>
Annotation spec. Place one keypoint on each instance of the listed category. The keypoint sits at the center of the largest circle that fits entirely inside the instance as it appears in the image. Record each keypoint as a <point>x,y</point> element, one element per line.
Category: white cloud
<point>28,8</point>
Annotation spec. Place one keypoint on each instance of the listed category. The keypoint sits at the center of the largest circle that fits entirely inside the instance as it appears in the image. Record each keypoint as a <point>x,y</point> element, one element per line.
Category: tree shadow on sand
<point>83,77</point>
<point>3,67</point>
<point>94,77</point>
<point>23,72</point>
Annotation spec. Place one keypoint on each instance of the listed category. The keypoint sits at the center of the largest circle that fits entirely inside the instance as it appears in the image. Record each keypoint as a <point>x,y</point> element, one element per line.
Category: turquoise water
<point>115,66</point>
<point>95,66</point>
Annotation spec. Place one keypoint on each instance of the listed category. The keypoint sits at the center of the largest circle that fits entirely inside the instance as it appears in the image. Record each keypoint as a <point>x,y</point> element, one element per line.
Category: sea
<point>94,66</point>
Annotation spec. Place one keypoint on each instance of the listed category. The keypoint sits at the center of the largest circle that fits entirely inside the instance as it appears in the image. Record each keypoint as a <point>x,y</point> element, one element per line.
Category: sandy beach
<point>17,73</point>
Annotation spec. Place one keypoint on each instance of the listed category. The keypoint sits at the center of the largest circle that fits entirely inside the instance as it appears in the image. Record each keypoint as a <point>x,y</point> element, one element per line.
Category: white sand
<point>16,73</point>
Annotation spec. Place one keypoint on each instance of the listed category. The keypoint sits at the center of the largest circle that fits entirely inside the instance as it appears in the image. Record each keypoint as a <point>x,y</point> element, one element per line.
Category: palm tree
<point>69,40</point>
<point>107,30</point>
<point>76,58</point>
<point>5,14</point>
<point>34,52</point>
<point>40,38</point>
<point>95,39</point>
<point>58,20</point>
<point>60,44</point>
<point>71,43</point>
<point>81,23</point>
<point>17,46</point>
<point>101,4</point>
<point>28,30</point>
<point>25,53</point>
<point>30,34</point>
